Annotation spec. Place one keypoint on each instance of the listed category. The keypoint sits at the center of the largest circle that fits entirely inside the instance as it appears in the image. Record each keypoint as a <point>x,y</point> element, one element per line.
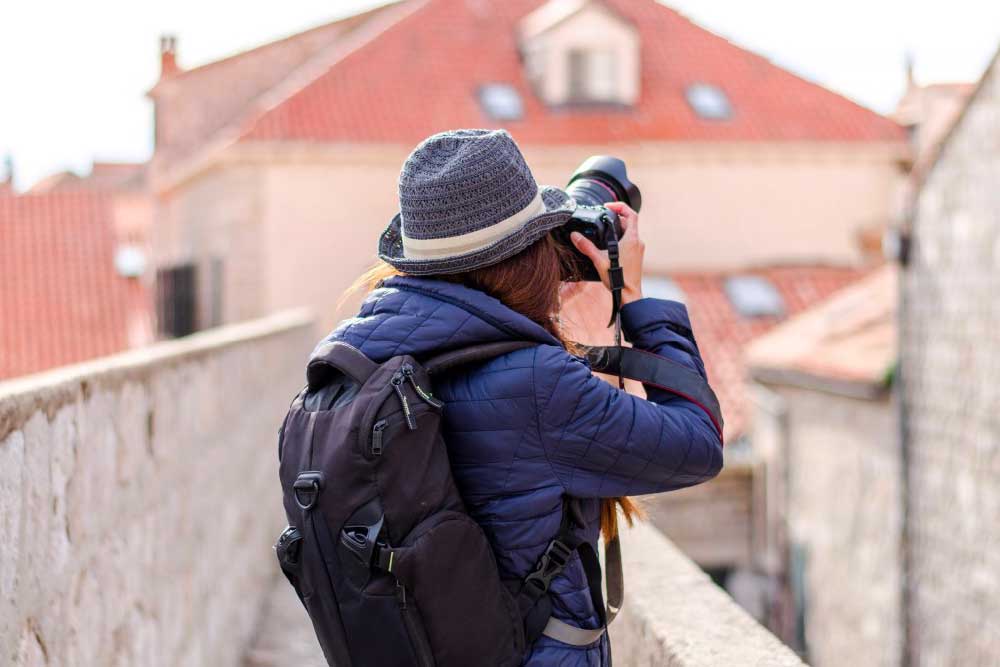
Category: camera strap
<point>656,371</point>
<point>616,281</point>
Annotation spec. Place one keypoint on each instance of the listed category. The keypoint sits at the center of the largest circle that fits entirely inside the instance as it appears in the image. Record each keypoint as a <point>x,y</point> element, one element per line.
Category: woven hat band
<point>476,240</point>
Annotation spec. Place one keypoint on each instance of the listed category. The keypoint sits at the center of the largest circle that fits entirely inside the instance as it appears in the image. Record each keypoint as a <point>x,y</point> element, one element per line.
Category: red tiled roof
<point>195,105</point>
<point>420,75</point>
<point>61,299</point>
<point>849,337</point>
<point>723,334</point>
<point>307,42</point>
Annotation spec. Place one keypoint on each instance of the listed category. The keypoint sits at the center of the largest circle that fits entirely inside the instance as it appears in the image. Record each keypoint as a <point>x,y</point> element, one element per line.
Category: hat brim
<point>558,208</point>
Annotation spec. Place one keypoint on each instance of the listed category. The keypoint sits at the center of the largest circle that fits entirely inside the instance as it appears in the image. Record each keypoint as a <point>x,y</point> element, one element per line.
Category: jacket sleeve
<point>604,442</point>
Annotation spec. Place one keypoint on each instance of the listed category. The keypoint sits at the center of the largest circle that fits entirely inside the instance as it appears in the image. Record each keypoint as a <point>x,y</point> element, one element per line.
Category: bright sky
<point>73,74</point>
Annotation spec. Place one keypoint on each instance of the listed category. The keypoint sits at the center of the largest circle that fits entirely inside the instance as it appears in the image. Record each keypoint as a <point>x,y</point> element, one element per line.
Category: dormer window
<point>580,52</point>
<point>709,102</point>
<point>754,296</point>
<point>501,101</point>
<point>592,75</point>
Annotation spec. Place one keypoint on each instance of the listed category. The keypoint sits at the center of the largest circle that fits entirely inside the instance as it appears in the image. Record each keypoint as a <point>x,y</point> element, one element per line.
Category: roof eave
<point>856,388</point>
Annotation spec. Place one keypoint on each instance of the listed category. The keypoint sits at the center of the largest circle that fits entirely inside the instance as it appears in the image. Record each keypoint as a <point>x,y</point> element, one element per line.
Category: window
<point>754,296</point>
<point>176,300</point>
<point>592,75</point>
<point>709,102</point>
<point>500,101</point>
<point>661,287</point>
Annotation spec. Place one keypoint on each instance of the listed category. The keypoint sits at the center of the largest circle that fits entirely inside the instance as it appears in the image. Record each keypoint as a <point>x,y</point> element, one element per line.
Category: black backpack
<point>389,565</point>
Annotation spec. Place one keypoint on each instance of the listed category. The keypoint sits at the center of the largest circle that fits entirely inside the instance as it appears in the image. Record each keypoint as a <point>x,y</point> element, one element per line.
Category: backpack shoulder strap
<point>336,355</point>
<point>448,360</point>
<point>552,563</point>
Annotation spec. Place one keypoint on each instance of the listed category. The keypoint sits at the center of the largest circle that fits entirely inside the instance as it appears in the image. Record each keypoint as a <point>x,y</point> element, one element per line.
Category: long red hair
<point>527,283</point>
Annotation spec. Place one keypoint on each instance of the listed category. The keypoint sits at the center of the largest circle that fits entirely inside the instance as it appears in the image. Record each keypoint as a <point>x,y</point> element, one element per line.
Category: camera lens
<point>602,179</point>
<point>591,192</point>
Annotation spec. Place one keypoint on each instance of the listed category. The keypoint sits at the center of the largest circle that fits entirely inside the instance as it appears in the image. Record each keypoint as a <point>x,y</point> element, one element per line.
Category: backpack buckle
<point>550,565</point>
<point>306,488</point>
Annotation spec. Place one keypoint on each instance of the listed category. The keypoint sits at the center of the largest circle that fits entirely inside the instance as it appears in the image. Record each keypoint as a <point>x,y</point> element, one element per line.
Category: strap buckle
<point>616,276</point>
<point>306,489</point>
<point>550,565</point>
<point>383,556</point>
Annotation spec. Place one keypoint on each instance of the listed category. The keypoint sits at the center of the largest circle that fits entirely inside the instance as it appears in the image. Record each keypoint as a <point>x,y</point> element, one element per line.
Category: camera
<point>599,180</point>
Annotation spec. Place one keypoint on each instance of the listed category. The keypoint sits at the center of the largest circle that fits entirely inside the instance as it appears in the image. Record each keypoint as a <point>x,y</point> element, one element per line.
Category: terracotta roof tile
<point>60,297</point>
<point>420,75</point>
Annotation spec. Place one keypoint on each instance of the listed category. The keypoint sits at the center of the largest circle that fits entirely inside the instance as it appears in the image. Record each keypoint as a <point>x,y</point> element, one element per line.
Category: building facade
<point>881,505</point>
<point>278,166</point>
<point>830,499</point>
<point>950,356</point>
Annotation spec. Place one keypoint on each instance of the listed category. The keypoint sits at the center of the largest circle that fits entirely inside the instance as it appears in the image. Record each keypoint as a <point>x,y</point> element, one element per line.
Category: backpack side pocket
<point>469,616</point>
<point>288,549</point>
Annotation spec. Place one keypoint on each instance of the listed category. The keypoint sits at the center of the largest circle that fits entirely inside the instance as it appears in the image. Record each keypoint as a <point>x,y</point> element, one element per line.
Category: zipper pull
<point>427,397</point>
<point>397,384</point>
<point>377,436</point>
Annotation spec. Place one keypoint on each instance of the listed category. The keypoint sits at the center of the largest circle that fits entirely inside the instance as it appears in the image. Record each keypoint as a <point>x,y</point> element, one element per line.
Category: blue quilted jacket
<point>527,427</point>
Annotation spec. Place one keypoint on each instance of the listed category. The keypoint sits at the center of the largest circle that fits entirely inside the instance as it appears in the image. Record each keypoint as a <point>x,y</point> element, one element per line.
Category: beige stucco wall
<point>218,215</point>
<point>139,500</point>
<point>297,223</point>
<point>729,205</point>
<point>320,227</point>
<point>843,510</point>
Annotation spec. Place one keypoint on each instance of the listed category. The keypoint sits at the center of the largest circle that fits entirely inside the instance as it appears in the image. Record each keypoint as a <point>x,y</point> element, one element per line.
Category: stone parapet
<point>139,499</point>
<point>674,616</point>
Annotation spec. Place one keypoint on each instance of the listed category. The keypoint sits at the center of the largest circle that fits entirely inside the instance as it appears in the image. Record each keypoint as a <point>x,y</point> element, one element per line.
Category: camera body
<point>597,224</point>
<point>599,180</point>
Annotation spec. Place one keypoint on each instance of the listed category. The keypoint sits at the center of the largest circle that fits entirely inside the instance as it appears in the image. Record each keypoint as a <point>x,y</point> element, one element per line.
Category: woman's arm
<point>601,441</point>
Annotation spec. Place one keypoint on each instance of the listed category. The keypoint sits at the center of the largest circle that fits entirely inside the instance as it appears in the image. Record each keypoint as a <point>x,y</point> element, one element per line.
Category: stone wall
<point>674,616</point>
<point>844,514</point>
<point>951,362</point>
<point>139,499</point>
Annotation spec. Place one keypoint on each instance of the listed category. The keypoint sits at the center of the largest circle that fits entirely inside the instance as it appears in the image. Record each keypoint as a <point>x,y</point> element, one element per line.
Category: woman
<point>469,259</point>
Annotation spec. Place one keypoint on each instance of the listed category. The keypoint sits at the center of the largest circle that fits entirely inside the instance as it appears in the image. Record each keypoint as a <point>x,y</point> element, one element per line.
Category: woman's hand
<point>630,252</point>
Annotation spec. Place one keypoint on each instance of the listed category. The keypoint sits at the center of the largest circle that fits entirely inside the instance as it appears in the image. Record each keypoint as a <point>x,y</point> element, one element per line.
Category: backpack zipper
<point>377,436</point>
<point>417,635</point>
<point>397,384</point>
<point>426,396</point>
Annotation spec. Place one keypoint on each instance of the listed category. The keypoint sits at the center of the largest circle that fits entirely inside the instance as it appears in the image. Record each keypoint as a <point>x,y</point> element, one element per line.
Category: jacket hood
<point>426,316</point>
